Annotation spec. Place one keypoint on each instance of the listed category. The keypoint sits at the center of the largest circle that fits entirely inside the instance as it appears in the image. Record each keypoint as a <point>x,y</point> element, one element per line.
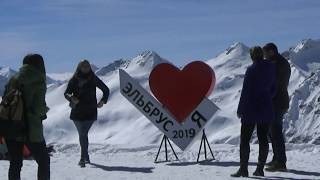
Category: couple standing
<point>264,101</point>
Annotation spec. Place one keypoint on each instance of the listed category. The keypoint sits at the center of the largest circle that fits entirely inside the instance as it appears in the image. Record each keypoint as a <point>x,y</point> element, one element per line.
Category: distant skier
<point>81,92</point>
<point>31,78</point>
<point>256,110</point>
<point>281,105</point>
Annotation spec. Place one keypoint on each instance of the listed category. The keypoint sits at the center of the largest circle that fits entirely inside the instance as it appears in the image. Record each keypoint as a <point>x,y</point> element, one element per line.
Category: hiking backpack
<point>12,121</point>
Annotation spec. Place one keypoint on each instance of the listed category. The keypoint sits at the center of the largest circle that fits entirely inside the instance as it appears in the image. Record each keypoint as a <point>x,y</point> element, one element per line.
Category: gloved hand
<point>43,117</point>
<point>75,100</point>
<point>100,104</point>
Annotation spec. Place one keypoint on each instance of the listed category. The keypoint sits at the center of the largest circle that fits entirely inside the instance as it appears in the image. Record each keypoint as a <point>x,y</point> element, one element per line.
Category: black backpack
<point>12,119</point>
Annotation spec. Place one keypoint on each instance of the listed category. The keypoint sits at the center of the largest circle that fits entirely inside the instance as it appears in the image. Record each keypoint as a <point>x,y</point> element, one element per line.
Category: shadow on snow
<point>236,164</point>
<point>123,168</point>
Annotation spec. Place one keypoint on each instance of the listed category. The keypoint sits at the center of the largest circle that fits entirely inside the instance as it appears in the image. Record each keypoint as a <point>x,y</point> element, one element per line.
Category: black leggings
<point>39,152</point>
<point>246,134</point>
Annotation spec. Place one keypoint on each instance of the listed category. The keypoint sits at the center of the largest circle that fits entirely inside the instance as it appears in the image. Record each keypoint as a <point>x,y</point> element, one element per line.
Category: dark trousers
<point>83,128</point>
<point>277,138</point>
<point>39,152</point>
<point>246,134</point>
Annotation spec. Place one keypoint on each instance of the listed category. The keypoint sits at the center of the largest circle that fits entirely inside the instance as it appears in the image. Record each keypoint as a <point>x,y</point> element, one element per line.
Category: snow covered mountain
<point>5,74</point>
<point>303,120</point>
<point>306,55</point>
<point>120,123</point>
<point>110,68</point>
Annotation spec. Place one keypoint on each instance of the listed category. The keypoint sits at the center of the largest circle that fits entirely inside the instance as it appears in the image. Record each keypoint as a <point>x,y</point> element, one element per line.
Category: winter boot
<point>277,167</point>
<point>82,163</point>
<point>259,171</point>
<point>87,160</point>
<point>242,172</point>
<point>271,163</point>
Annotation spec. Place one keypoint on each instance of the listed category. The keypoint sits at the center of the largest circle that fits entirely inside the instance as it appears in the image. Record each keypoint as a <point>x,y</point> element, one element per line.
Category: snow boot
<point>277,167</point>
<point>87,160</point>
<point>82,163</point>
<point>259,171</point>
<point>271,163</point>
<point>242,172</point>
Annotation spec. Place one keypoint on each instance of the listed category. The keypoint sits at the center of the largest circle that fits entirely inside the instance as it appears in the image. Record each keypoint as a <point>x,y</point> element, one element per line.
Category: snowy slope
<point>120,123</point>
<point>5,74</point>
<point>229,67</point>
<point>302,122</point>
<point>306,55</point>
<point>60,76</point>
<point>104,71</point>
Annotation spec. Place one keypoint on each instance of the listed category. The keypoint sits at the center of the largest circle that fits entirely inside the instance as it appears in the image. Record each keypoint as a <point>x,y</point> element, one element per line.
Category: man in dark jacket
<point>281,106</point>
<point>256,109</point>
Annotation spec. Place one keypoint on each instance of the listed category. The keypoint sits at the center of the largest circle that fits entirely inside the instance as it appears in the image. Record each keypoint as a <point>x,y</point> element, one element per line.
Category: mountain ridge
<point>120,123</point>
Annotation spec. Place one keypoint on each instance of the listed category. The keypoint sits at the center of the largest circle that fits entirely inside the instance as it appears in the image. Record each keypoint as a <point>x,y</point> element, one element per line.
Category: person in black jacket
<point>81,93</point>
<point>281,106</point>
<point>256,110</point>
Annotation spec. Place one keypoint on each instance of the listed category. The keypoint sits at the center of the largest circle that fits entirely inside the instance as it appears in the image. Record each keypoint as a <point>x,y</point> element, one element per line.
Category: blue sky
<point>65,31</point>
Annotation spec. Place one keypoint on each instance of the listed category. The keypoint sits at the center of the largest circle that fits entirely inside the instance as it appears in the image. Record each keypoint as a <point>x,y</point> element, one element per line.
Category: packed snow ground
<point>120,162</point>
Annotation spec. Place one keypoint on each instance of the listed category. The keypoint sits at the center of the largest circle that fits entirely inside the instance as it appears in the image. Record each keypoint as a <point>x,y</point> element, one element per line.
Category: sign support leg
<point>173,150</point>
<point>166,141</point>
<point>205,142</point>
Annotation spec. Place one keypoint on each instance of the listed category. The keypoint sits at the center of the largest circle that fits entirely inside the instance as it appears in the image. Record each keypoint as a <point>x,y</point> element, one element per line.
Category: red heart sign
<point>181,91</point>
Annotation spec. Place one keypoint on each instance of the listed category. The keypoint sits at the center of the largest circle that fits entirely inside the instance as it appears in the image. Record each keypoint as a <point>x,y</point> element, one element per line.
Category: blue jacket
<point>259,88</point>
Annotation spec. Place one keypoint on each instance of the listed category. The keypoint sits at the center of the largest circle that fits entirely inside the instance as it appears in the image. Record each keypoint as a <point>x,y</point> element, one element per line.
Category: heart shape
<point>181,91</point>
